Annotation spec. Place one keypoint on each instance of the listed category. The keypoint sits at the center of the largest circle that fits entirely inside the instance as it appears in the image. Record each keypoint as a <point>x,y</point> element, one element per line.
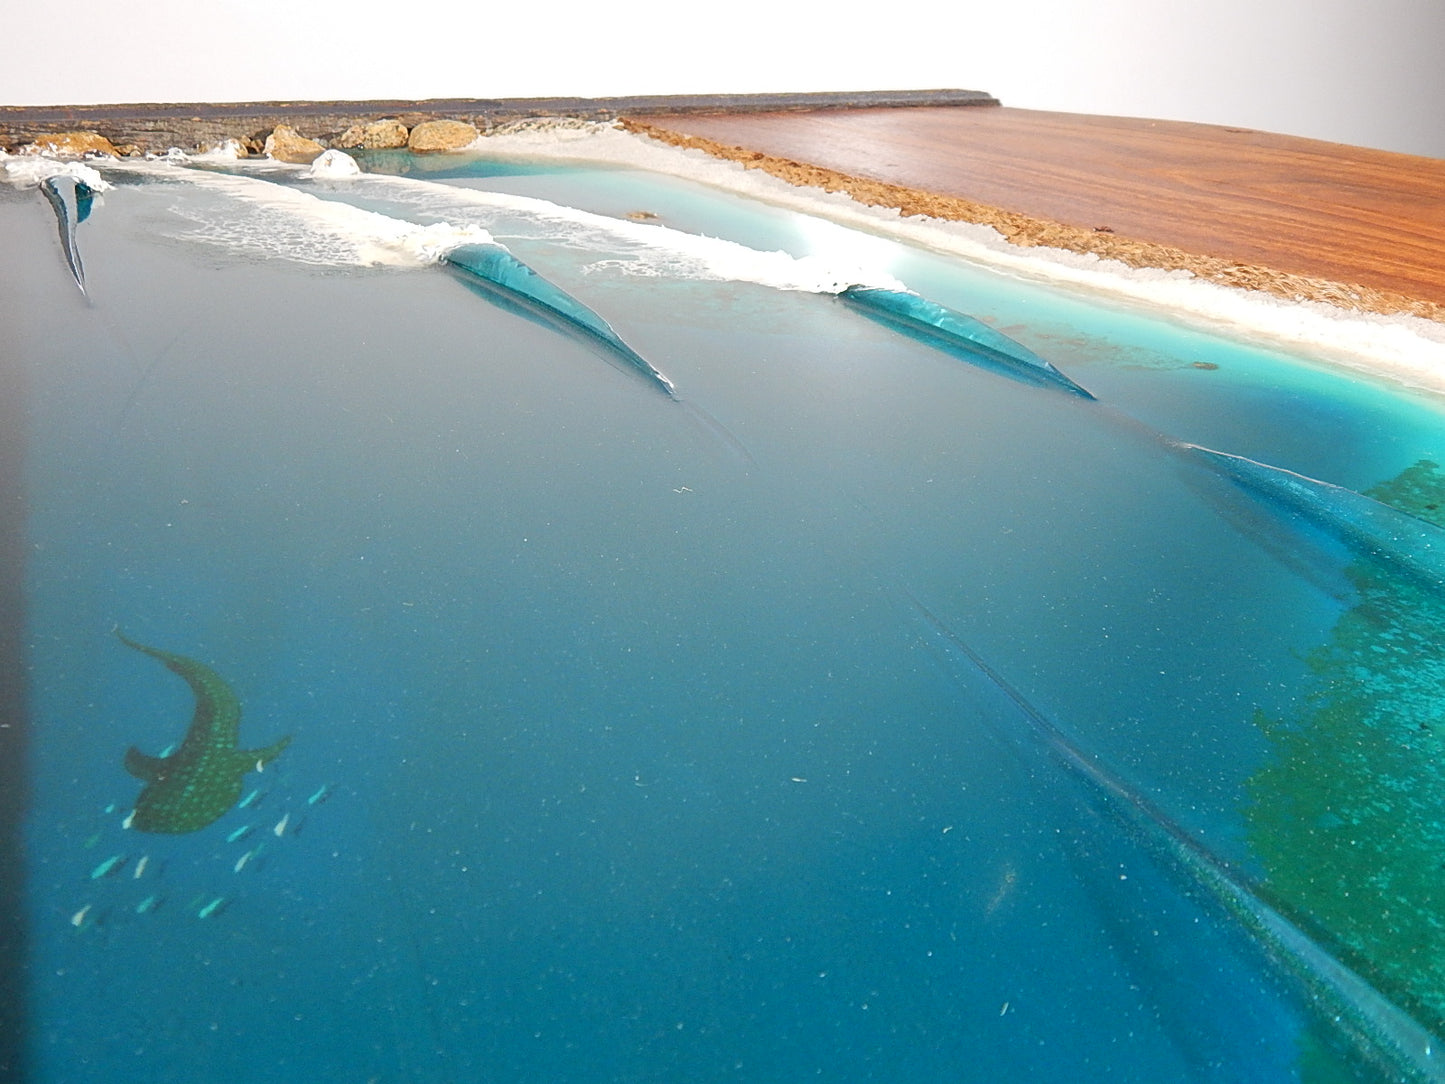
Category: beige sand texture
<point>1298,219</point>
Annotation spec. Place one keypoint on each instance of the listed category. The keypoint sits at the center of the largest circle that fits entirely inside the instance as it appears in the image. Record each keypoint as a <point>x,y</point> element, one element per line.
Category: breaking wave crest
<point>261,218</point>
<point>606,244</point>
<point>307,218</point>
<point>30,170</point>
<point>635,248</point>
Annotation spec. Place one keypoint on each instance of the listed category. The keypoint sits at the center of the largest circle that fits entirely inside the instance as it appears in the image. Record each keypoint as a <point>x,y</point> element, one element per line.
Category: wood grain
<point>1370,222</point>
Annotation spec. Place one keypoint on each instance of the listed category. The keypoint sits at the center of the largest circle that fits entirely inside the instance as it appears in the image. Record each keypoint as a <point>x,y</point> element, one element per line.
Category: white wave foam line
<point>334,165</point>
<point>646,249</point>
<point>276,221</point>
<point>29,170</point>
<point>1404,349</point>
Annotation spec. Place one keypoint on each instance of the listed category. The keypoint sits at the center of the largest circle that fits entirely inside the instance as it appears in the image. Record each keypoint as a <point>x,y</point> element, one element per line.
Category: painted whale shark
<point>201,780</point>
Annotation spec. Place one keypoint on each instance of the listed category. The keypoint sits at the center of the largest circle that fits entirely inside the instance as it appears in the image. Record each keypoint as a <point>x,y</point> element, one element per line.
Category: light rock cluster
<point>284,143</point>
<point>379,135</point>
<point>431,136</point>
<point>73,145</point>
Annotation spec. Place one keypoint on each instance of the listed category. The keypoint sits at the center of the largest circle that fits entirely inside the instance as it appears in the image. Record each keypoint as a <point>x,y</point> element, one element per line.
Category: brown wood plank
<point>1321,211</point>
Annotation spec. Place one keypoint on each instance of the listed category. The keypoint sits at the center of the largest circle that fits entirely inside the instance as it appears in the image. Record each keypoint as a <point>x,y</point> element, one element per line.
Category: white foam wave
<point>277,221</point>
<point>633,248</point>
<point>334,165</point>
<point>227,151</point>
<point>1402,349</point>
<point>286,221</point>
<point>29,170</point>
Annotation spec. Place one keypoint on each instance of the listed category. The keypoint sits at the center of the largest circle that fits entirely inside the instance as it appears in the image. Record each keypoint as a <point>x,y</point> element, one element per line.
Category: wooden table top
<point>1303,217</point>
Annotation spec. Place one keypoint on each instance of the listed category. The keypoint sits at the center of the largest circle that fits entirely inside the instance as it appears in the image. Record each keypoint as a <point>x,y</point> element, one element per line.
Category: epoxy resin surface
<point>967,682</point>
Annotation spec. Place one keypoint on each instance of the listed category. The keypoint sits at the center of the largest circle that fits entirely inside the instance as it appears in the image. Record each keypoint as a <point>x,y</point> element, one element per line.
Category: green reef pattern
<point>201,780</point>
<point>1348,817</point>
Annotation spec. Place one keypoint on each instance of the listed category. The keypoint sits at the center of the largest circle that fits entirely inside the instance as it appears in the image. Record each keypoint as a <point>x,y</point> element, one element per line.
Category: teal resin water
<point>861,713</point>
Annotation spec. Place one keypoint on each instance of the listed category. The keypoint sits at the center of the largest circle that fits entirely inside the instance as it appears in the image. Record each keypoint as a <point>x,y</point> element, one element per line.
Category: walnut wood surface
<point>1304,207</point>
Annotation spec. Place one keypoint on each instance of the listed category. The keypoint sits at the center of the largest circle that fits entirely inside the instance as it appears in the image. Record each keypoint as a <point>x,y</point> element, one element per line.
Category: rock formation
<point>441,135</point>
<point>67,144</point>
<point>378,135</point>
<point>286,144</point>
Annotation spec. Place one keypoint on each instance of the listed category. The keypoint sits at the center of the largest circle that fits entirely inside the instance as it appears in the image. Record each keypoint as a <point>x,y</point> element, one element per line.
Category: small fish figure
<point>241,862</point>
<point>140,867</point>
<point>212,908</point>
<point>240,833</point>
<point>321,795</point>
<point>109,866</point>
<point>78,919</point>
<point>280,828</point>
<point>147,905</point>
<point>249,800</point>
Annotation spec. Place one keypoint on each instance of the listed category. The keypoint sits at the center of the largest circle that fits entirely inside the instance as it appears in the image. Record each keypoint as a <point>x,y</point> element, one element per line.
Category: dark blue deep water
<point>861,714</point>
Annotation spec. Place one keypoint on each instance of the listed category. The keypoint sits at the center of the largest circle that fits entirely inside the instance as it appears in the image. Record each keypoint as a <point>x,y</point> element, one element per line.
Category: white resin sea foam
<point>646,249</point>
<point>285,221</point>
<point>334,165</point>
<point>29,170</point>
<point>260,217</point>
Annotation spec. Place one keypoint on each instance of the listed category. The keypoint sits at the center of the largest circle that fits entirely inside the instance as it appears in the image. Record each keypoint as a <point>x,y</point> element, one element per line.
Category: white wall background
<point>1370,73</point>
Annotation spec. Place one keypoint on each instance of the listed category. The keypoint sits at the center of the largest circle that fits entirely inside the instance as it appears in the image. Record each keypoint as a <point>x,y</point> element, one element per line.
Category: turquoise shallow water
<point>699,739</point>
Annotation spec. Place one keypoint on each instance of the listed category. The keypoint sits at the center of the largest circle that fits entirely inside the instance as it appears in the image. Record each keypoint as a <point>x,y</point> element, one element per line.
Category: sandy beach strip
<point>1298,219</point>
